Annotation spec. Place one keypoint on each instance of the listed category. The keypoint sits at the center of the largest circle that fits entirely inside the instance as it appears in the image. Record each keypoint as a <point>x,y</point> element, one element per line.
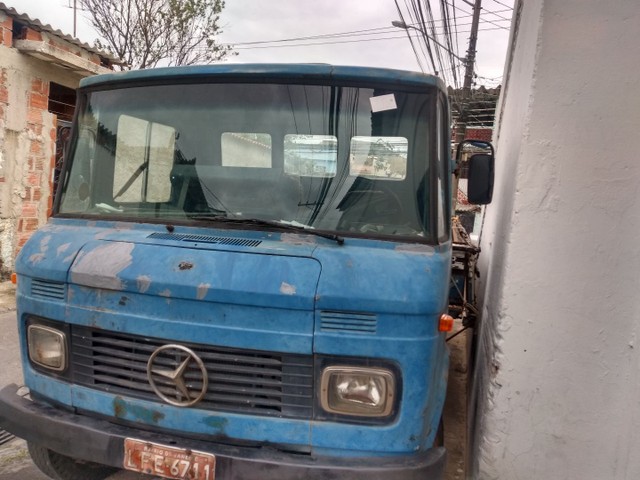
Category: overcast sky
<point>369,39</point>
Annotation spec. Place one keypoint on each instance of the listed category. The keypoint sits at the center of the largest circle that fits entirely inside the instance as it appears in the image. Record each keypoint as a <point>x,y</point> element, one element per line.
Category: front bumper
<point>99,441</point>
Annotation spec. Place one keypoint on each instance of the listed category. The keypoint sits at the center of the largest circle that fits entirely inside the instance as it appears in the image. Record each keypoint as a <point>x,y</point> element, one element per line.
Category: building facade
<point>40,68</point>
<point>558,365</point>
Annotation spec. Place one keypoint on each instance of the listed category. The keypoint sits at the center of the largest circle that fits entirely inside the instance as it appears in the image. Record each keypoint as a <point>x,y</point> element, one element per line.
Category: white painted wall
<point>559,359</point>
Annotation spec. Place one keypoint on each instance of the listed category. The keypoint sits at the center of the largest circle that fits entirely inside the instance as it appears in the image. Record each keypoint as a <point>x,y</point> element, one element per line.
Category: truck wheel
<point>60,467</point>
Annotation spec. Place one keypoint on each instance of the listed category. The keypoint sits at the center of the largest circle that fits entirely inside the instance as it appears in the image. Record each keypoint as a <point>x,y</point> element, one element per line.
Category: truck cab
<point>244,277</point>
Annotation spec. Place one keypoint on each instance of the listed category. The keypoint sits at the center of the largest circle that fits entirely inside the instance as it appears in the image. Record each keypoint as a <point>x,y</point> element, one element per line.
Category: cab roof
<point>295,73</point>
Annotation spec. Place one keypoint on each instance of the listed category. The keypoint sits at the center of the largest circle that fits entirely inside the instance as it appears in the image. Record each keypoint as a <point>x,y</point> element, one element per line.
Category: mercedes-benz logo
<point>171,384</point>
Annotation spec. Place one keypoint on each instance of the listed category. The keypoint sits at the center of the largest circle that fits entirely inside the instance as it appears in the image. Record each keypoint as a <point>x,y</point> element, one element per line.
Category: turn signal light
<point>14,278</point>
<point>446,323</point>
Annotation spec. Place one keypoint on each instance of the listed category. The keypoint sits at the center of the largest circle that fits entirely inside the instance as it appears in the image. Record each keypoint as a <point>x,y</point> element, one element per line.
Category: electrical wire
<point>504,5</point>
<point>455,26</point>
<point>496,14</point>
<point>438,49</point>
<point>413,47</point>
<point>415,13</point>
<point>257,47</point>
<point>446,21</point>
<point>365,32</point>
<point>354,33</point>
<point>424,21</point>
<point>412,36</point>
<point>485,20</point>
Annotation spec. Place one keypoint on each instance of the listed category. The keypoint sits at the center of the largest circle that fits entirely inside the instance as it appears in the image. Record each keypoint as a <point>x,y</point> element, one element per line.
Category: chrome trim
<point>176,376</point>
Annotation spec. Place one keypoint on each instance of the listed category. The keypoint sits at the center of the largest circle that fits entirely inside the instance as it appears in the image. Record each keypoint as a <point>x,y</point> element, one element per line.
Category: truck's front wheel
<point>60,467</point>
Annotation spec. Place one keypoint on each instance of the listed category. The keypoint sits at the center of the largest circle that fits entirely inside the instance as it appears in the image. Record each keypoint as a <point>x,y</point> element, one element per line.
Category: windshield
<point>333,158</point>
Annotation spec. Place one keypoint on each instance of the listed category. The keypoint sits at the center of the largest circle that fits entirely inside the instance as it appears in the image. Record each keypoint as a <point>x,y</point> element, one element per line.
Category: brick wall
<point>28,33</point>
<point>4,102</point>
<point>483,134</point>
<point>36,183</point>
<point>28,129</point>
<point>6,26</point>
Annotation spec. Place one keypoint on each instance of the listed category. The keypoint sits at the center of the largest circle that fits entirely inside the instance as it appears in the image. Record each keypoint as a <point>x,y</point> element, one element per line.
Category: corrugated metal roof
<point>40,27</point>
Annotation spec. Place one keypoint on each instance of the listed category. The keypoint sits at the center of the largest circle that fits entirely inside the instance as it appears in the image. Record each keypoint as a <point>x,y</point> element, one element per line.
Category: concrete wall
<point>559,360</point>
<point>27,143</point>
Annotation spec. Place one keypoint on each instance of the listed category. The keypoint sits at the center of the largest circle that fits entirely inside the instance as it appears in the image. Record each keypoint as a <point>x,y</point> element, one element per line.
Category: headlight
<point>47,347</point>
<point>357,391</point>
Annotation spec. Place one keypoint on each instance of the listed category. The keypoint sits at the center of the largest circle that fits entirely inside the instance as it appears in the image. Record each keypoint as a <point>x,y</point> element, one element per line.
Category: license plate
<point>168,462</point>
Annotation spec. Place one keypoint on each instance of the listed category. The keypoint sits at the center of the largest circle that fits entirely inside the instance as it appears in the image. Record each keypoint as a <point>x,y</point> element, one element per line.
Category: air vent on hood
<point>47,289</point>
<point>364,323</point>
<point>182,237</point>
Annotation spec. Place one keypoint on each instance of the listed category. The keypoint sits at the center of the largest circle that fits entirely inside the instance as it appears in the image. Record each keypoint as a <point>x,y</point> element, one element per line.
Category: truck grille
<point>240,381</point>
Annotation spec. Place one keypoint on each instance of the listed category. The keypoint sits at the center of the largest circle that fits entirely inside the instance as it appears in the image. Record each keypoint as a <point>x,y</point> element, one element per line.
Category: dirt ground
<point>455,408</point>
<point>7,296</point>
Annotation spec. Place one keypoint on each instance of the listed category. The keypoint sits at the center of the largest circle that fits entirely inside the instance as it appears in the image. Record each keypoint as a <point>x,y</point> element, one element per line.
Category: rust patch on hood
<point>44,246</point>
<point>298,239</point>
<point>100,267</point>
<point>203,288</point>
<point>62,248</point>
<point>122,409</point>
<point>287,289</point>
<point>416,248</point>
<point>143,283</point>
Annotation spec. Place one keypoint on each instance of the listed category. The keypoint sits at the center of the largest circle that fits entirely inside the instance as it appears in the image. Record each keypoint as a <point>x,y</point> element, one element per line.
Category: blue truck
<point>246,276</point>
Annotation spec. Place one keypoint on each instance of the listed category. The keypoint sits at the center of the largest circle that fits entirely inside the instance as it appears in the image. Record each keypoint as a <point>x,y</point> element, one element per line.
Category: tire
<point>61,467</point>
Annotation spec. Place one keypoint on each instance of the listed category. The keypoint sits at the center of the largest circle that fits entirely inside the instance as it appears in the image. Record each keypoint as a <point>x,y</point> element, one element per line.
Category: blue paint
<point>201,422</point>
<point>269,295</point>
<point>406,307</point>
<point>124,410</point>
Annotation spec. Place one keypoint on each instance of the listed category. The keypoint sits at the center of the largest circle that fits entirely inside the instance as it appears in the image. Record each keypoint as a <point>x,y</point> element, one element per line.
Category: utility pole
<point>461,127</point>
<point>75,7</point>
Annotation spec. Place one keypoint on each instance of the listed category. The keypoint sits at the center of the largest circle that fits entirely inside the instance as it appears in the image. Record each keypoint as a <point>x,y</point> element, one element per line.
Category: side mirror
<point>479,170</point>
<point>480,186</point>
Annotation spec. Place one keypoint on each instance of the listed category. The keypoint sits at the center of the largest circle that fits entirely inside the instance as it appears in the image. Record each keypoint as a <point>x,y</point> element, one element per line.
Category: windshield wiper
<point>269,223</point>
<point>143,166</point>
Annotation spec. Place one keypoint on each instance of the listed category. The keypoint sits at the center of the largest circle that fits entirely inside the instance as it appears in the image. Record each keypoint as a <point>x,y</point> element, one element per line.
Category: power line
<point>485,10</point>
<point>368,31</point>
<point>429,39</point>
<point>493,22</point>
<point>424,21</point>
<point>496,14</point>
<point>491,79</point>
<point>255,47</point>
<point>504,5</point>
<point>448,54</point>
<point>455,26</point>
<point>413,47</point>
<point>418,18</point>
<point>353,33</point>
<point>449,37</point>
<point>415,13</point>
<point>251,47</point>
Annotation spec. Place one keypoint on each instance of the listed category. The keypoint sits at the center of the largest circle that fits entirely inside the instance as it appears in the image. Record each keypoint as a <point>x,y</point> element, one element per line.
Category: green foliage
<point>148,33</point>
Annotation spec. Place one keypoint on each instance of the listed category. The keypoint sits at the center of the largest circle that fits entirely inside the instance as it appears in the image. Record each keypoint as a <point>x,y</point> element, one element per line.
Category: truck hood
<point>188,286</point>
<point>171,272</point>
<point>141,280</point>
